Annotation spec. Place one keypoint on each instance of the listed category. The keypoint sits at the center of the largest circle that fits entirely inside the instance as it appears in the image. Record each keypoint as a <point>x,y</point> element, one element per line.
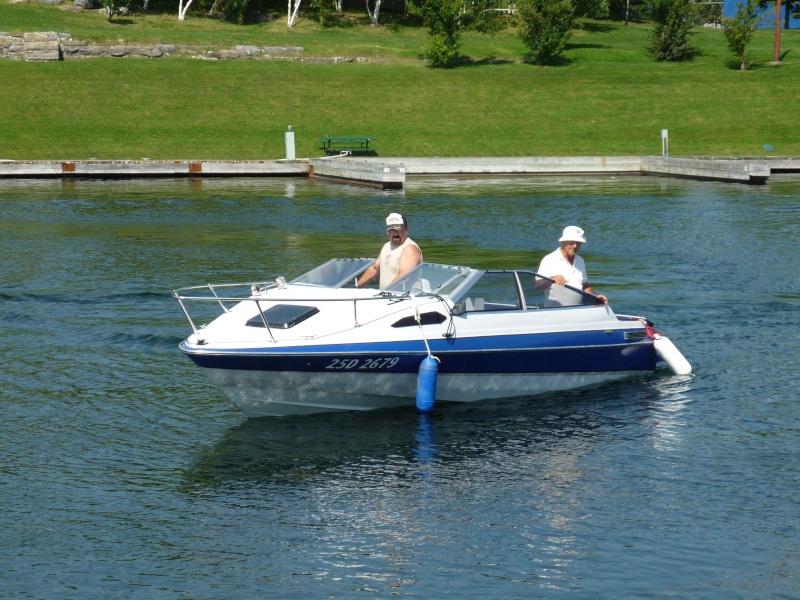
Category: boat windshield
<point>431,278</point>
<point>334,273</point>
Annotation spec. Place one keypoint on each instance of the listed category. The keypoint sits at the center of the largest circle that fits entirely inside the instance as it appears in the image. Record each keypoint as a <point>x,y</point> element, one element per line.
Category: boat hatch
<point>283,316</point>
<point>428,318</point>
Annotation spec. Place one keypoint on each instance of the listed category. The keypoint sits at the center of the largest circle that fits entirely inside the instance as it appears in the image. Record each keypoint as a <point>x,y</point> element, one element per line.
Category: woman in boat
<point>397,257</point>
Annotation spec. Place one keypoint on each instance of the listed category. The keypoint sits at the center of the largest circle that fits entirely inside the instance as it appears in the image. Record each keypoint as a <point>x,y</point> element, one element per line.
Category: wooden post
<point>778,33</point>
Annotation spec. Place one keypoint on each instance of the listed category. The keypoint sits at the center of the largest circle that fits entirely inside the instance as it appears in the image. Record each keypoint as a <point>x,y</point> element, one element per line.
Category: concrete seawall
<point>390,173</point>
<point>383,174</point>
<point>121,169</point>
<point>528,165</point>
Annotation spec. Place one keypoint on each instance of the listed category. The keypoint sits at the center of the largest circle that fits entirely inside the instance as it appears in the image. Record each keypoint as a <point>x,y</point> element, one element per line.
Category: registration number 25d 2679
<point>363,363</point>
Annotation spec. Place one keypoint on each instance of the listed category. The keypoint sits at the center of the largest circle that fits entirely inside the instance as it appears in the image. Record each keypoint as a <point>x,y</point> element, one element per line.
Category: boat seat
<point>474,304</point>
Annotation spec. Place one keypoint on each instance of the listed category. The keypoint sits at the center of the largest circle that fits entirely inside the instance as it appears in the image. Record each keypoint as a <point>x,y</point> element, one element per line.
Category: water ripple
<point>127,474</point>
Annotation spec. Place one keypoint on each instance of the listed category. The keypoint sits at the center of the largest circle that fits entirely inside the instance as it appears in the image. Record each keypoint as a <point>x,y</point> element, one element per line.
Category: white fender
<point>671,355</point>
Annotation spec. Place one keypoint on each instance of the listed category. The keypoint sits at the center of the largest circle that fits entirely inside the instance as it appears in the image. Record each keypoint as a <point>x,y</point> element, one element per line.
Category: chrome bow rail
<point>193,294</point>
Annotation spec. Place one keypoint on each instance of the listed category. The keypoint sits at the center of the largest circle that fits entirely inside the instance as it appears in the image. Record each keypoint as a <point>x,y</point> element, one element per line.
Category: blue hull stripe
<point>579,352</point>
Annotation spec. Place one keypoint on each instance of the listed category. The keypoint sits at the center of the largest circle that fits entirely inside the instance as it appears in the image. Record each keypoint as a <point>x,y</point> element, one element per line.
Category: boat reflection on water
<point>372,496</point>
<point>425,448</point>
<point>393,445</point>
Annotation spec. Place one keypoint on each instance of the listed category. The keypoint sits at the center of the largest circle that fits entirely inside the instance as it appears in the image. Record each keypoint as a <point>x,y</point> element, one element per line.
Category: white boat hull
<point>269,393</point>
<point>316,345</point>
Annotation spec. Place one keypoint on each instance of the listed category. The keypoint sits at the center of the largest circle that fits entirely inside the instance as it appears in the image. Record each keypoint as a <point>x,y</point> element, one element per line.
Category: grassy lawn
<point>609,98</point>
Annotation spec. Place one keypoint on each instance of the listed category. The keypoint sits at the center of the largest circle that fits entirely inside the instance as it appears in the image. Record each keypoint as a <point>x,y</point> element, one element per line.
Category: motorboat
<point>319,343</point>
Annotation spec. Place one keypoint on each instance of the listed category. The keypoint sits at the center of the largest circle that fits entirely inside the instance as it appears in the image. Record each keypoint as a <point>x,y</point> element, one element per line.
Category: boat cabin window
<point>428,318</point>
<point>540,292</point>
<point>431,318</point>
<point>495,290</point>
<point>335,273</point>
<point>283,316</point>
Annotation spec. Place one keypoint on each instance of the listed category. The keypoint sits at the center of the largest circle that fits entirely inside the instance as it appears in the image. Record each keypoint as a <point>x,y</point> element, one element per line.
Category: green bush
<point>111,7</point>
<point>545,27</point>
<point>673,21</point>
<point>739,30</point>
<point>594,9</point>
<point>237,11</point>
<point>447,19</point>
<point>443,19</point>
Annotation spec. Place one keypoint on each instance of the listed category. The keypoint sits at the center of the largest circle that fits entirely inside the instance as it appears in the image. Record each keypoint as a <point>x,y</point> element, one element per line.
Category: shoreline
<point>391,172</point>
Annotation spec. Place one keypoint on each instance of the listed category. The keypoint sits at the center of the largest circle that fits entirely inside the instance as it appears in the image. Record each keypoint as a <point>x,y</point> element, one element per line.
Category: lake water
<point>126,474</point>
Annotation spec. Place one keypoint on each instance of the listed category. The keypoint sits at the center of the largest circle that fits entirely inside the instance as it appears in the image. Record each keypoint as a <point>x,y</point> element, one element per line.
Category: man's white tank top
<point>389,260</point>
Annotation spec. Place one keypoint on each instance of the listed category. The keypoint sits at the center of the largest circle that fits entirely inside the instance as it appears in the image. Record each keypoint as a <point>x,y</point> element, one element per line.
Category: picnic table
<point>348,144</point>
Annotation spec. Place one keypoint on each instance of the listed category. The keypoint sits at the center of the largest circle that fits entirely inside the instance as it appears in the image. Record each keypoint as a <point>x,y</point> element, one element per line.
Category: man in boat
<point>565,267</point>
<point>397,257</point>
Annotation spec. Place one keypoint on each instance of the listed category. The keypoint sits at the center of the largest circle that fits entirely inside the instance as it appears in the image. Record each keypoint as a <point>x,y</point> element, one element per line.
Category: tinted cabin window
<point>534,297</point>
<point>429,318</point>
<point>493,291</point>
<point>537,294</point>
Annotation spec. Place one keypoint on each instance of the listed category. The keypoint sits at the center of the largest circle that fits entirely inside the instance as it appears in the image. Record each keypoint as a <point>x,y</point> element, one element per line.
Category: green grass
<point>608,98</point>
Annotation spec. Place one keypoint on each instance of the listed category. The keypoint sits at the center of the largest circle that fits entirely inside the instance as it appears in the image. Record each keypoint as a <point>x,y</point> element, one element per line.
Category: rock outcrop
<point>37,47</point>
<point>51,46</point>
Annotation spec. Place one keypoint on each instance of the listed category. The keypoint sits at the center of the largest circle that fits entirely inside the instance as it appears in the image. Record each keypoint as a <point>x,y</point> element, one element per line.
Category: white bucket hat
<point>395,221</point>
<point>572,234</point>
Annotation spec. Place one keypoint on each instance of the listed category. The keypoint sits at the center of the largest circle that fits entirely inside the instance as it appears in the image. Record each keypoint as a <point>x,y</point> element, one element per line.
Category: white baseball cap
<point>395,221</point>
<point>572,234</point>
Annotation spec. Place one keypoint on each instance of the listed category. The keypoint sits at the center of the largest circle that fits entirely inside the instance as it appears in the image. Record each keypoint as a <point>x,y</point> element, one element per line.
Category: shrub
<point>673,21</point>
<point>447,19</point>
<point>110,7</point>
<point>545,27</point>
<point>739,30</point>
<point>443,19</point>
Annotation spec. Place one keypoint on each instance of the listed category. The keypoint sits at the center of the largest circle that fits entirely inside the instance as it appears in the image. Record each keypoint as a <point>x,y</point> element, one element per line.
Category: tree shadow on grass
<point>460,61</point>
<point>466,61</point>
<point>598,27</point>
<point>557,61</point>
<point>688,56</point>
<point>346,20</point>
<point>734,65</point>
<point>586,46</point>
<point>388,21</point>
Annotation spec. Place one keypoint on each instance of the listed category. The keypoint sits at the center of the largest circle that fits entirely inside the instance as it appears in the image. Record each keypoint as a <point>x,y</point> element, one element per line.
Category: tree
<point>441,17</point>
<point>545,27</point>
<point>593,9</point>
<point>447,19</point>
<point>319,9</point>
<point>110,7</point>
<point>182,8</point>
<point>673,20</point>
<point>240,10</point>
<point>739,30</point>
<point>627,10</point>
<point>373,15</point>
<point>292,13</point>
